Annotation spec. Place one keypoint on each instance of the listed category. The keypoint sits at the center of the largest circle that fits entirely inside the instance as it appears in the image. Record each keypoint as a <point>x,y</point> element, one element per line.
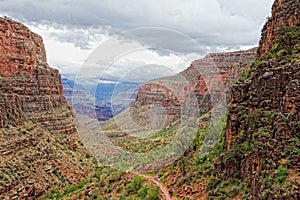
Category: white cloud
<point>63,45</point>
<point>214,21</point>
<point>120,59</point>
<point>73,29</point>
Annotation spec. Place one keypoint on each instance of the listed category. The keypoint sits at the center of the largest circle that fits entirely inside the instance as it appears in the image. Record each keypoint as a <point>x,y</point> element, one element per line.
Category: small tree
<point>288,38</point>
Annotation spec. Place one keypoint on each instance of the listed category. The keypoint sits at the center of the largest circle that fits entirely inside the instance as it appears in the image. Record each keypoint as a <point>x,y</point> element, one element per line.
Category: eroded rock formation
<point>39,144</point>
<point>263,128</point>
<point>21,50</point>
<point>214,73</point>
<point>284,12</point>
<point>29,88</point>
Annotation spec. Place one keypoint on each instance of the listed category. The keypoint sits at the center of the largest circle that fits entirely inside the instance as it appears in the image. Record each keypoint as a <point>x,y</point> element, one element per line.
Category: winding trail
<point>162,188</point>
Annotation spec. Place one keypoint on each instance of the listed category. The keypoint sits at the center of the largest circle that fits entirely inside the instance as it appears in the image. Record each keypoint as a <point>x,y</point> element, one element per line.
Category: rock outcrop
<point>263,131</point>
<point>284,13</point>
<point>29,88</point>
<point>262,141</point>
<point>21,50</point>
<point>214,73</point>
<point>39,144</point>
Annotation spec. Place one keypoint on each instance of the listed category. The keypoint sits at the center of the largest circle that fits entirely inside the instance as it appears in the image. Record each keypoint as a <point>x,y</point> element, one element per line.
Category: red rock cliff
<point>21,50</point>
<point>284,12</point>
<point>263,126</point>
<point>212,73</point>
<point>29,88</point>
<point>39,144</point>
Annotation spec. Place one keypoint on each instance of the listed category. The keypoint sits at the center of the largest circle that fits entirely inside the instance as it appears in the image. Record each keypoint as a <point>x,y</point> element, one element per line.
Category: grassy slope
<point>187,177</point>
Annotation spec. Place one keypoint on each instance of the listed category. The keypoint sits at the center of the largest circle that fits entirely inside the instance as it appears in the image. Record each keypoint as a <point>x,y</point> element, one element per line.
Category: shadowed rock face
<point>39,146</point>
<point>263,130</point>
<point>284,12</point>
<point>214,73</point>
<point>263,127</point>
<point>29,88</point>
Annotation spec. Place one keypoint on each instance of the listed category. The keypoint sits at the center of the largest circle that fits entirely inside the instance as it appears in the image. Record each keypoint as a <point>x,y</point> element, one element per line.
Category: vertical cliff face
<point>262,134</point>
<point>284,13</point>
<point>21,50</point>
<point>211,74</point>
<point>263,127</point>
<point>29,88</point>
<point>39,146</point>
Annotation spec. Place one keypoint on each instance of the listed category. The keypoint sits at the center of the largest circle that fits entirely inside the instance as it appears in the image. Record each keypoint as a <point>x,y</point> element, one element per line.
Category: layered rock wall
<point>263,131</point>
<point>29,88</point>
<point>263,126</point>
<point>39,145</point>
<point>284,13</point>
<point>21,50</point>
<point>211,74</point>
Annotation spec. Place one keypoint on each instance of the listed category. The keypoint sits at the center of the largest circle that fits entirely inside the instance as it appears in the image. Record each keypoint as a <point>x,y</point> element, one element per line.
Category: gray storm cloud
<point>214,22</point>
<point>71,29</point>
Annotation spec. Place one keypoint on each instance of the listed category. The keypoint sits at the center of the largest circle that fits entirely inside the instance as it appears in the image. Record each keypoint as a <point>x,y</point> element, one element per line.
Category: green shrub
<point>135,185</point>
<point>248,73</point>
<point>143,192</point>
<point>70,189</point>
<point>288,38</point>
<point>296,151</point>
<point>262,132</point>
<point>153,194</point>
<point>242,112</point>
<point>271,115</point>
<point>53,194</point>
<point>281,174</point>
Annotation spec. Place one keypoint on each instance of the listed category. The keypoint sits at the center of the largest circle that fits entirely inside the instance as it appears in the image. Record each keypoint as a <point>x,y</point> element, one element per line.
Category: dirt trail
<point>162,188</point>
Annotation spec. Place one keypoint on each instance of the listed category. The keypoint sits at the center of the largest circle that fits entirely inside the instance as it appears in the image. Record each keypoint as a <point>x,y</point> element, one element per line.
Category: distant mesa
<point>108,100</point>
<point>212,74</point>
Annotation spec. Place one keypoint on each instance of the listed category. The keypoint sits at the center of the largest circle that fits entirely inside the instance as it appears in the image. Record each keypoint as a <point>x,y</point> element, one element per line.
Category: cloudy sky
<point>126,36</point>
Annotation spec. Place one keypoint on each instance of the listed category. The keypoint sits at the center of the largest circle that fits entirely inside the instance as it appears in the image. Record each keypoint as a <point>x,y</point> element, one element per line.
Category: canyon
<point>256,156</point>
<point>214,73</point>
<point>100,107</point>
